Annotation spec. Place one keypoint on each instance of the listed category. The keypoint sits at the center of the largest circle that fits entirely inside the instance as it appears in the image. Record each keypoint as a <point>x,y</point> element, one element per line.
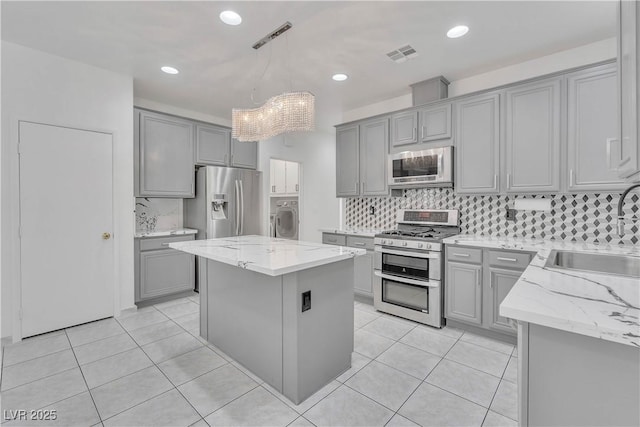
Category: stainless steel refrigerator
<point>227,203</point>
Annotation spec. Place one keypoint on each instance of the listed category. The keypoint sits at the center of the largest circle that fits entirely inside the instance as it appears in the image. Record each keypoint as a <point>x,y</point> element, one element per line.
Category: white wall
<point>45,88</point>
<point>583,55</point>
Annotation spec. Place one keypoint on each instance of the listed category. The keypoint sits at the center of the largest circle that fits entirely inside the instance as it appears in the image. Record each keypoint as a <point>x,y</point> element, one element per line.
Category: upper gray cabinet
<point>592,129</point>
<point>532,143</point>
<point>628,164</point>
<point>347,160</point>
<point>244,154</point>
<point>164,153</point>
<point>404,128</point>
<point>435,123</point>
<point>374,149</point>
<point>478,144</point>
<point>212,145</point>
<point>361,158</point>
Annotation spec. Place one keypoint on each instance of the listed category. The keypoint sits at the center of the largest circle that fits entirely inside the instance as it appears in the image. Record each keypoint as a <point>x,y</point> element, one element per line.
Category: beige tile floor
<point>152,368</point>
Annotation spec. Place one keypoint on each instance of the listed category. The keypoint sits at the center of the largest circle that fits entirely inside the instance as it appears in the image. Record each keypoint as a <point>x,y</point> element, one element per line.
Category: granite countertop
<point>364,232</point>
<point>267,255</point>
<point>165,233</point>
<point>588,303</point>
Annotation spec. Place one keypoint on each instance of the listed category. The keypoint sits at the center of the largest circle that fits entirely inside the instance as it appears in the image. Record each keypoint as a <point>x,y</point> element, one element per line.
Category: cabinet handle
<point>359,244</point>
<point>495,181</point>
<point>225,158</point>
<point>231,159</point>
<point>413,134</point>
<point>571,178</point>
<point>362,187</point>
<point>609,163</point>
<point>297,187</point>
<point>332,240</point>
<point>164,244</point>
<point>273,188</point>
<point>462,255</point>
<point>506,259</point>
<point>422,133</point>
<point>508,181</point>
<point>490,284</point>
<point>357,186</point>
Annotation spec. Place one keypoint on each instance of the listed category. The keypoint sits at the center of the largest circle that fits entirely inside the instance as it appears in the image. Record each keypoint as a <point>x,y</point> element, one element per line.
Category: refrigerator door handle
<point>238,201</point>
<point>241,209</point>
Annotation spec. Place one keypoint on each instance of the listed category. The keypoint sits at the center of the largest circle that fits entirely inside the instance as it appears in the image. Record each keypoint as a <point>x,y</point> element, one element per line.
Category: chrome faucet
<point>620,205</point>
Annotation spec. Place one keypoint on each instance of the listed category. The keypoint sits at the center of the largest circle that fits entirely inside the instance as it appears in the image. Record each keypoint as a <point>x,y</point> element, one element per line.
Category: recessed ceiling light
<point>457,31</point>
<point>169,70</point>
<point>229,17</point>
<point>340,77</point>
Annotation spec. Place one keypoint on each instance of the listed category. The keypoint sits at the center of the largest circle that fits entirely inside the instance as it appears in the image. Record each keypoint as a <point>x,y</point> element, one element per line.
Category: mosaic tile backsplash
<point>155,214</point>
<point>584,217</point>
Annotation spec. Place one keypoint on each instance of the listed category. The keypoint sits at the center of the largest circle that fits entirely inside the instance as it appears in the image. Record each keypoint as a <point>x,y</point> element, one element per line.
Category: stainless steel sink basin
<point>620,265</point>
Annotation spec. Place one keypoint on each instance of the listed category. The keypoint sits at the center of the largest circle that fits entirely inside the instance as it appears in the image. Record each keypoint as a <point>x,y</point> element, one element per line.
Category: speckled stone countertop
<point>267,255</point>
<point>594,304</point>
<point>165,233</point>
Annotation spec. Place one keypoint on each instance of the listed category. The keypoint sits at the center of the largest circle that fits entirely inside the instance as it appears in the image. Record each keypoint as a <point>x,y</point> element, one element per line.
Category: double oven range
<point>409,265</point>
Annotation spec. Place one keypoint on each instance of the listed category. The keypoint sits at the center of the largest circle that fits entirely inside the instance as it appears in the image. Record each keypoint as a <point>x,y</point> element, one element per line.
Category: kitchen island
<point>578,336</point>
<point>282,308</point>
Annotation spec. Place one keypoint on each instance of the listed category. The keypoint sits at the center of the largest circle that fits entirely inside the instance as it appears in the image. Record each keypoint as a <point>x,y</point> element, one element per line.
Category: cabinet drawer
<point>153,243</point>
<point>518,260</point>
<point>360,242</point>
<point>334,239</point>
<point>456,253</point>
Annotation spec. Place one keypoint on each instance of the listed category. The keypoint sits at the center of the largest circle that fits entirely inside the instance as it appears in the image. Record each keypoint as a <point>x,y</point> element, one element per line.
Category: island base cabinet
<point>576,380</point>
<point>258,320</point>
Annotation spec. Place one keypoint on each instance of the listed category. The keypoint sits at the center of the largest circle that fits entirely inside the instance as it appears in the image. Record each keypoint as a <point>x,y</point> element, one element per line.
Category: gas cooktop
<point>421,233</point>
<point>426,225</point>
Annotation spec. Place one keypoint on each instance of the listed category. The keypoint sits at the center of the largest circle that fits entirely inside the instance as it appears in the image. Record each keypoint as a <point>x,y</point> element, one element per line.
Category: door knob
<point>106,236</point>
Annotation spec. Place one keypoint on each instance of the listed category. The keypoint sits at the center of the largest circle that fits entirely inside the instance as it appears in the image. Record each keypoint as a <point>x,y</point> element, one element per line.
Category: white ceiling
<point>218,67</point>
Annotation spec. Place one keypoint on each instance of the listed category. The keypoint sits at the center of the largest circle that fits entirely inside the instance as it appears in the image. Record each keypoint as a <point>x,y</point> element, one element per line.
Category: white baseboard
<point>128,310</point>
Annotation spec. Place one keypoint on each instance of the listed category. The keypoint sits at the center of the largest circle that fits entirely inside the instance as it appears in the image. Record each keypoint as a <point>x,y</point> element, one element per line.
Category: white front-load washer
<point>286,219</point>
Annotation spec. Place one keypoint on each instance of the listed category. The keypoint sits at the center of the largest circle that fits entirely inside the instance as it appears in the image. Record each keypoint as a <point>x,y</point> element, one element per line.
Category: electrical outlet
<point>372,210</point>
<point>306,301</point>
<point>511,214</point>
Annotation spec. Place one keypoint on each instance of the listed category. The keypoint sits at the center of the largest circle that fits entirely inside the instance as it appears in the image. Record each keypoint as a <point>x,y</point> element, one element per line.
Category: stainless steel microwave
<point>425,168</point>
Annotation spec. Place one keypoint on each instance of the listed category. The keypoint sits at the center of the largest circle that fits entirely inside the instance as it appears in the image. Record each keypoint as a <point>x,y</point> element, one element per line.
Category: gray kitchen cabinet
<point>404,128</point>
<point>212,145</point>
<point>501,281</point>
<point>476,283</point>
<point>628,164</point>
<point>164,154</point>
<point>464,292</point>
<point>244,154</point>
<point>478,144</point>
<point>361,158</point>
<point>363,265</point>
<point>592,129</point>
<point>374,149</point>
<point>532,144</point>
<point>347,161</point>
<point>160,270</point>
<point>435,122</point>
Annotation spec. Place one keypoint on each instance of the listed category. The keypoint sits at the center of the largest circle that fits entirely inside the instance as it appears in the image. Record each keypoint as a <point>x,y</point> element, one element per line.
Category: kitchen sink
<point>621,265</point>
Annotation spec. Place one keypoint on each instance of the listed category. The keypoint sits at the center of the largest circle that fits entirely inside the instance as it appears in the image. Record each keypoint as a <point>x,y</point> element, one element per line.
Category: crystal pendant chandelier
<point>287,112</point>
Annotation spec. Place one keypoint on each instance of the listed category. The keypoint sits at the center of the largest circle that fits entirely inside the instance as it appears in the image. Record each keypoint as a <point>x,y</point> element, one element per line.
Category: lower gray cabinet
<point>477,282</point>
<point>464,292</point>
<point>160,270</point>
<point>363,265</point>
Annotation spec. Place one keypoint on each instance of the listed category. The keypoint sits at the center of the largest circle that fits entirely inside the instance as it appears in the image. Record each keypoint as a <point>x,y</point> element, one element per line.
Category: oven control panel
<point>408,244</point>
<point>428,217</point>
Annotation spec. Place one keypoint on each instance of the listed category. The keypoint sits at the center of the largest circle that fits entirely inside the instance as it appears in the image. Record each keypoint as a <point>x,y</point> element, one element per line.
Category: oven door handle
<point>407,253</point>
<point>424,284</point>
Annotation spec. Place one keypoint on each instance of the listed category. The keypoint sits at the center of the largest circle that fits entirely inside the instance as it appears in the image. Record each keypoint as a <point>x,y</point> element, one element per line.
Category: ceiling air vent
<point>402,54</point>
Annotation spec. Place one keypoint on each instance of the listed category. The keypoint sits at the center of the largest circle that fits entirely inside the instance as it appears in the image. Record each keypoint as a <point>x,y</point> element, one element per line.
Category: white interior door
<point>66,202</point>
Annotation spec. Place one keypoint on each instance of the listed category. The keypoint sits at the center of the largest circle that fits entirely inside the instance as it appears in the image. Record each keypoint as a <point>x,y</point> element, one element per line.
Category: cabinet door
<point>165,272</point>
<point>629,90</point>
<point>464,292</point>
<point>212,145</point>
<point>592,130</point>
<point>533,137</point>
<point>166,156</point>
<point>478,144</point>
<point>278,176</point>
<point>404,128</point>
<point>347,161</point>
<point>435,123</point>
<point>374,151</point>
<point>363,271</point>
<point>292,175</point>
<point>500,283</point>
<point>244,154</point>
